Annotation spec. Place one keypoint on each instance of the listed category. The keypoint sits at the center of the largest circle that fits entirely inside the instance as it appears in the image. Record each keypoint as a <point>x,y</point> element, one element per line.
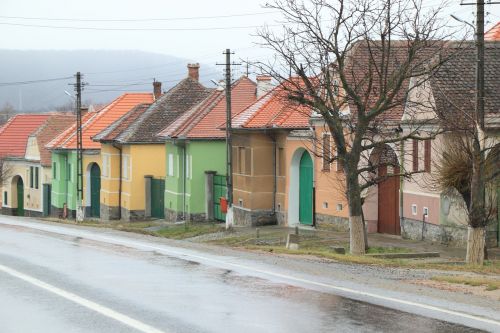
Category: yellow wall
<point>109,177</point>
<point>143,160</point>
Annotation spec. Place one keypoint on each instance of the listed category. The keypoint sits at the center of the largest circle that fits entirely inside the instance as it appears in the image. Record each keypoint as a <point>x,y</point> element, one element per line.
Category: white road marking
<point>169,251</point>
<point>82,301</point>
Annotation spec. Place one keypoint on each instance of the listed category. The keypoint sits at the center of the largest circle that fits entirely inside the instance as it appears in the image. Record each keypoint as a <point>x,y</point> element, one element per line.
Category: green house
<point>196,155</point>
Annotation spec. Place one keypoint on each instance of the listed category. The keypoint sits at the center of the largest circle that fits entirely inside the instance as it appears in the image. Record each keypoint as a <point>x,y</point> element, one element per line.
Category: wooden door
<point>388,210</point>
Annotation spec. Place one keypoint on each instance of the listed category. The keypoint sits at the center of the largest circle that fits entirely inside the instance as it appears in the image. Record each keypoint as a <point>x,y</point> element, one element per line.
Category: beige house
<point>26,191</point>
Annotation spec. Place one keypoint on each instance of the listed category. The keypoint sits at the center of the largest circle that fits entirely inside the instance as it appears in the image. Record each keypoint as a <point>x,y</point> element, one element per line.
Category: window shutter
<point>415,155</point>
<point>427,155</point>
<point>248,161</point>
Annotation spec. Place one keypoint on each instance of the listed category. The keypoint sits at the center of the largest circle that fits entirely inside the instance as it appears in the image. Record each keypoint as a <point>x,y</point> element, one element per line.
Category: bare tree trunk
<point>364,225</point>
<point>475,245</point>
<point>477,216</point>
<point>356,225</point>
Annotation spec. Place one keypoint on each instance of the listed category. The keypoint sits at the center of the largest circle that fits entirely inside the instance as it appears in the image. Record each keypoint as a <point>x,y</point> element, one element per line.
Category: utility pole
<point>480,64</point>
<point>229,146</point>
<point>79,150</point>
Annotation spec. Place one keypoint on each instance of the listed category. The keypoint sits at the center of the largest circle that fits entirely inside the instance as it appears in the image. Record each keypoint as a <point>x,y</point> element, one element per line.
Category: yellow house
<point>95,165</point>
<point>134,158</point>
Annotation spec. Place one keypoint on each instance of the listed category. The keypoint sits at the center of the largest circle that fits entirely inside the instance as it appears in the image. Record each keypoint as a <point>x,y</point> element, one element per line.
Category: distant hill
<point>108,74</point>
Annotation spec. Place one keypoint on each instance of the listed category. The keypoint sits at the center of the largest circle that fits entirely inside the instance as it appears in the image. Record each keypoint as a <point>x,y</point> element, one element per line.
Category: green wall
<point>205,155</point>
<point>63,184</point>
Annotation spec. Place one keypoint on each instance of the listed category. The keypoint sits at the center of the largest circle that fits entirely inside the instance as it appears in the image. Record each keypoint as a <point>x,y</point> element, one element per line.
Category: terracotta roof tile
<point>273,110</point>
<point>14,134</point>
<point>203,121</point>
<point>494,33</point>
<point>54,125</point>
<point>166,109</point>
<point>95,122</point>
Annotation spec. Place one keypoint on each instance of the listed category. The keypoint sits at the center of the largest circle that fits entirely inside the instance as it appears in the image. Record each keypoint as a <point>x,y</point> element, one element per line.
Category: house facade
<point>135,155</point>
<point>196,152</point>
<point>26,191</point>
<point>64,159</point>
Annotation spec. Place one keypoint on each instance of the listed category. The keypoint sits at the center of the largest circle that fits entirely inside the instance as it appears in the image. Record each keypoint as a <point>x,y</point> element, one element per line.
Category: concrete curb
<point>404,255</point>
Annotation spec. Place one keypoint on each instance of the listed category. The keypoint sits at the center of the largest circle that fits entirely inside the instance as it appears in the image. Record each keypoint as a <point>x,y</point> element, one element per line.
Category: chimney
<point>194,71</point>
<point>264,84</point>
<point>156,89</point>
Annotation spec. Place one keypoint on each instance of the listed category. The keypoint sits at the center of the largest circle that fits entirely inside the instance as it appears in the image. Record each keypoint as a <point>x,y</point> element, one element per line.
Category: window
<point>339,165</point>
<point>325,204</point>
<point>415,155</point>
<point>425,211</point>
<point>170,164</point>
<point>427,155</point>
<point>327,155</point>
<point>31,177</point>
<point>414,209</point>
<point>37,175</point>
<point>126,167</point>
<point>105,163</point>
<point>54,170</point>
<point>5,197</point>
<point>241,160</point>
<point>339,207</point>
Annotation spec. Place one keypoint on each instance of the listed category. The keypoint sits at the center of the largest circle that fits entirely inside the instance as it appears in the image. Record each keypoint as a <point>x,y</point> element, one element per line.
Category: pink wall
<point>421,200</point>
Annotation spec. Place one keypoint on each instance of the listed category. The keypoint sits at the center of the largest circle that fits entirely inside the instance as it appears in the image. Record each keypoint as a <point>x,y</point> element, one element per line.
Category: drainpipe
<point>119,182</point>
<point>313,129</point>
<point>273,138</point>
<point>401,178</point>
<point>184,182</point>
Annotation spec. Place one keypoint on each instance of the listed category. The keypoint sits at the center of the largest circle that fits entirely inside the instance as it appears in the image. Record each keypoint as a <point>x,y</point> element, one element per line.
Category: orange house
<point>277,176</point>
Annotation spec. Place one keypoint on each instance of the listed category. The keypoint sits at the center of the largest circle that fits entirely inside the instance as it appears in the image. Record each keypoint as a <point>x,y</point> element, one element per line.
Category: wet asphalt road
<point>122,288</point>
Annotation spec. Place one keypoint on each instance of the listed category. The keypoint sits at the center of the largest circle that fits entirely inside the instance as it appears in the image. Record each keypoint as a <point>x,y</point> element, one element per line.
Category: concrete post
<point>209,195</point>
<point>147,195</point>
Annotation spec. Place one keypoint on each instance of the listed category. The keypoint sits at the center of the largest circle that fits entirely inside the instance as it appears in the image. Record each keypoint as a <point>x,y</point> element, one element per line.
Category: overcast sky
<point>205,45</point>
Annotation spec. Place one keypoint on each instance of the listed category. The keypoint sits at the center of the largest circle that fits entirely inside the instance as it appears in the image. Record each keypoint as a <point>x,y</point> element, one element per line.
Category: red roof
<point>54,125</point>
<point>203,121</point>
<point>493,33</point>
<point>95,122</point>
<point>14,134</point>
<point>273,110</point>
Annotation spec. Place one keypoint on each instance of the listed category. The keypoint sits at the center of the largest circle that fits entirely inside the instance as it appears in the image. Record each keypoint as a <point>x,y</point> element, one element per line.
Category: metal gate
<point>157,198</point>
<point>220,190</point>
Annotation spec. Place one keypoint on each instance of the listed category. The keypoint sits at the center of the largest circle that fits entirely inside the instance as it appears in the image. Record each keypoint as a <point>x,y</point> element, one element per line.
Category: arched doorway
<point>95,190</point>
<point>306,189</point>
<point>20,196</point>
<point>387,164</point>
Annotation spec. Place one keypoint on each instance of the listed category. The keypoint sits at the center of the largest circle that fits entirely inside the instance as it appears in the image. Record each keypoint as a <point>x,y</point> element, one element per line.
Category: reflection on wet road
<point>167,293</point>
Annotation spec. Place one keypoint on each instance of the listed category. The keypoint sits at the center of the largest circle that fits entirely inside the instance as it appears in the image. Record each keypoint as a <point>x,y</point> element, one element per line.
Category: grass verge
<point>491,284</point>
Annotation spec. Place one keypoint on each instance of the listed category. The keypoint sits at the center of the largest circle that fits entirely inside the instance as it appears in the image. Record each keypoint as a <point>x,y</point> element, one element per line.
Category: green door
<point>20,197</point>
<point>306,189</point>
<point>95,191</point>
<point>220,191</point>
<point>157,198</point>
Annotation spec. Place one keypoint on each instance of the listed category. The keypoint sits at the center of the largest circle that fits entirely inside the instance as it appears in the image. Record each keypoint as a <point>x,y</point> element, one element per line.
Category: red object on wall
<point>223,205</point>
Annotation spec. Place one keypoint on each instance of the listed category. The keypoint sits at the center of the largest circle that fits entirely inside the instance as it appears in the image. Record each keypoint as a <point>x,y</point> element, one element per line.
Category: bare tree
<point>352,63</point>
<point>4,172</point>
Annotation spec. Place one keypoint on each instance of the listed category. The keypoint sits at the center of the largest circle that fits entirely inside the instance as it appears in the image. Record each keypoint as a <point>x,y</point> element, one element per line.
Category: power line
<point>136,20</point>
<point>3,84</point>
<point>129,29</point>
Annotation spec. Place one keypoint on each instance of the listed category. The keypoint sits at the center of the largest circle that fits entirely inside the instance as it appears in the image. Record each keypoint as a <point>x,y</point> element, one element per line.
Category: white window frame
<point>126,167</point>
<point>414,209</point>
